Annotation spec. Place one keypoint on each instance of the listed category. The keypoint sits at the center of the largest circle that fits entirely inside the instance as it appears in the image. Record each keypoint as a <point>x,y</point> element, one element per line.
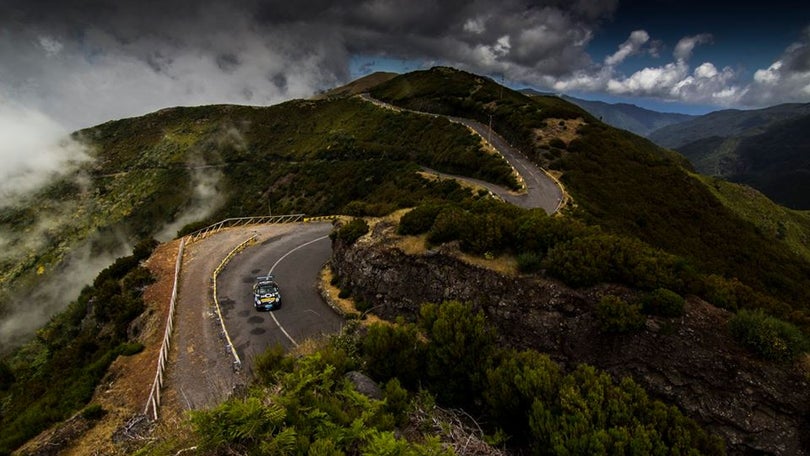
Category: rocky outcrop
<point>758,407</point>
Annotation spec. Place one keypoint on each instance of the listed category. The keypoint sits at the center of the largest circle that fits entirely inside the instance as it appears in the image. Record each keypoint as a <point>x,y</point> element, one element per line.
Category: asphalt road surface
<point>295,258</point>
<point>541,190</point>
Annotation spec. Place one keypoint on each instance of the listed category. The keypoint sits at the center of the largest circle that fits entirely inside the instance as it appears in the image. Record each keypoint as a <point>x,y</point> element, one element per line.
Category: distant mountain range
<point>768,149</point>
<point>623,115</point>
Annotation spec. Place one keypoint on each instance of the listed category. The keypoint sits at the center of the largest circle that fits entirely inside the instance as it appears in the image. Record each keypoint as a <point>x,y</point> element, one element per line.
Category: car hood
<point>267,298</point>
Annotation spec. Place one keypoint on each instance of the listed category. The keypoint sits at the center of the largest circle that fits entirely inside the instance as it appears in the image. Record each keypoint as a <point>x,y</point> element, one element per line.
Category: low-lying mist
<point>31,306</point>
<point>33,149</point>
<point>54,242</point>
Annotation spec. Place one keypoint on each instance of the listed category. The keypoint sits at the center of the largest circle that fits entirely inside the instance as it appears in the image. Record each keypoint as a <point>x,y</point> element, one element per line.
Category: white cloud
<point>675,80</point>
<point>770,75</point>
<point>475,26</point>
<point>50,45</point>
<point>786,80</point>
<point>632,46</point>
<point>706,70</point>
<point>684,48</point>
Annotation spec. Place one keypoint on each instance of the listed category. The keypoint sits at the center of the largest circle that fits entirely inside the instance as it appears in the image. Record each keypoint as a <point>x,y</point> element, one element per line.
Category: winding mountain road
<point>201,372</point>
<point>541,190</point>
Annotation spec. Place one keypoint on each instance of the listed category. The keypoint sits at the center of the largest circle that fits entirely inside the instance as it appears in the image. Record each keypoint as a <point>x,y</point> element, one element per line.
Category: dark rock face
<point>758,407</point>
<point>364,385</point>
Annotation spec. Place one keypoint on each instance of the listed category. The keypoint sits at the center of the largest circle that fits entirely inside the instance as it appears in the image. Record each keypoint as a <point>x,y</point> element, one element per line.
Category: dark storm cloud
<point>67,64</point>
<point>83,62</point>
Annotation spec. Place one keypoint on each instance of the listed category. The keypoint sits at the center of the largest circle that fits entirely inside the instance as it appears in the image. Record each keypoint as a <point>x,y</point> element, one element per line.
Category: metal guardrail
<point>153,402</point>
<point>237,362</point>
<point>242,221</point>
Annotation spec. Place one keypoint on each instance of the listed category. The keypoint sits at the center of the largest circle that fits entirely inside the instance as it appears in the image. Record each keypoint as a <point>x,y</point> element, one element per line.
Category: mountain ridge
<point>764,148</point>
<point>639,214</point>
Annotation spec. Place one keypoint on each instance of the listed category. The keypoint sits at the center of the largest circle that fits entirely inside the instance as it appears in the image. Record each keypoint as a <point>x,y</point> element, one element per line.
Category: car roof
<point>265,280</point>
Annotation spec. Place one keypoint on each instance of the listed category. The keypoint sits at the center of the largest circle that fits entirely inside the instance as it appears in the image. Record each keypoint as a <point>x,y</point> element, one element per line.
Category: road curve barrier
<point>321,218</point>
<point>153,402</point>
<point>237,363</point>
<point>243,221</point>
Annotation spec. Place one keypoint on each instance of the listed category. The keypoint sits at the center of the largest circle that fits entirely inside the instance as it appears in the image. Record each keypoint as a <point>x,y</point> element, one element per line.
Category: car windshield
<point>266,289</point>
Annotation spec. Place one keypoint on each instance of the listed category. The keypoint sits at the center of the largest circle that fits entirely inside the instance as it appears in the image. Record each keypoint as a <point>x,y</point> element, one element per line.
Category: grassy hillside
<point>153,175</point>
<point>766,149</point>
<point>774,222</point>
<point>777,162</point>
<point>358,86</point>
<point>623,183</point>
<point>56,374</point>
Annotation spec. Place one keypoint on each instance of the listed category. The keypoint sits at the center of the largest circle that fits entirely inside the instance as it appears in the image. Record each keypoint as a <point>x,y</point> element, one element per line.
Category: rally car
<point>266,295</point>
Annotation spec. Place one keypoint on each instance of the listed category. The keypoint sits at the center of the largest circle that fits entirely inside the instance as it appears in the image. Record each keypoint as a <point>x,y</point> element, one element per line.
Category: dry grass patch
<point>412,245</point>
<point>473,187</point>
<point>345,305</point>
<point>804,364</point>
<point>332,292</point>
<point>504,264</point>
<point>563,129</point>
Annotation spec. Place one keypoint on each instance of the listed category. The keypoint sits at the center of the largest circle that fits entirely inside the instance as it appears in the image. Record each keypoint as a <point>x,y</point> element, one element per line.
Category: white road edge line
<point>271,271</point>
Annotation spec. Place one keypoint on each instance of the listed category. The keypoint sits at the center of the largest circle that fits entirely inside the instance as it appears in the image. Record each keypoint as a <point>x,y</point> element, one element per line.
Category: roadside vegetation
<point>658,224</point>
<point>449,358</point>
<point>54,376</point>
<point>581,255</point>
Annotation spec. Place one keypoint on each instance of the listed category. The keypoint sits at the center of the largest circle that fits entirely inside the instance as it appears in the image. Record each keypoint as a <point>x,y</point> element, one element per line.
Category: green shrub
<point>663,302</point>
<point>394,351</point>
<point>557,143</point>
<point>485,233</point>
<point>516,380</point>
<point>617,316</point>
<point>591,414</point>
<point>529,262</point>
<point>93,412</point>
<point>396,401</point>
<point>449,225</point>
<point>351,231</point>
<point>362,305</point>
<point>460,349</point>
<point>6,376</point>
<point>768,336</point>
<point>130,348</point>
<point>596,258</point>
<point>269,363</point>
<point>419,220</point>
